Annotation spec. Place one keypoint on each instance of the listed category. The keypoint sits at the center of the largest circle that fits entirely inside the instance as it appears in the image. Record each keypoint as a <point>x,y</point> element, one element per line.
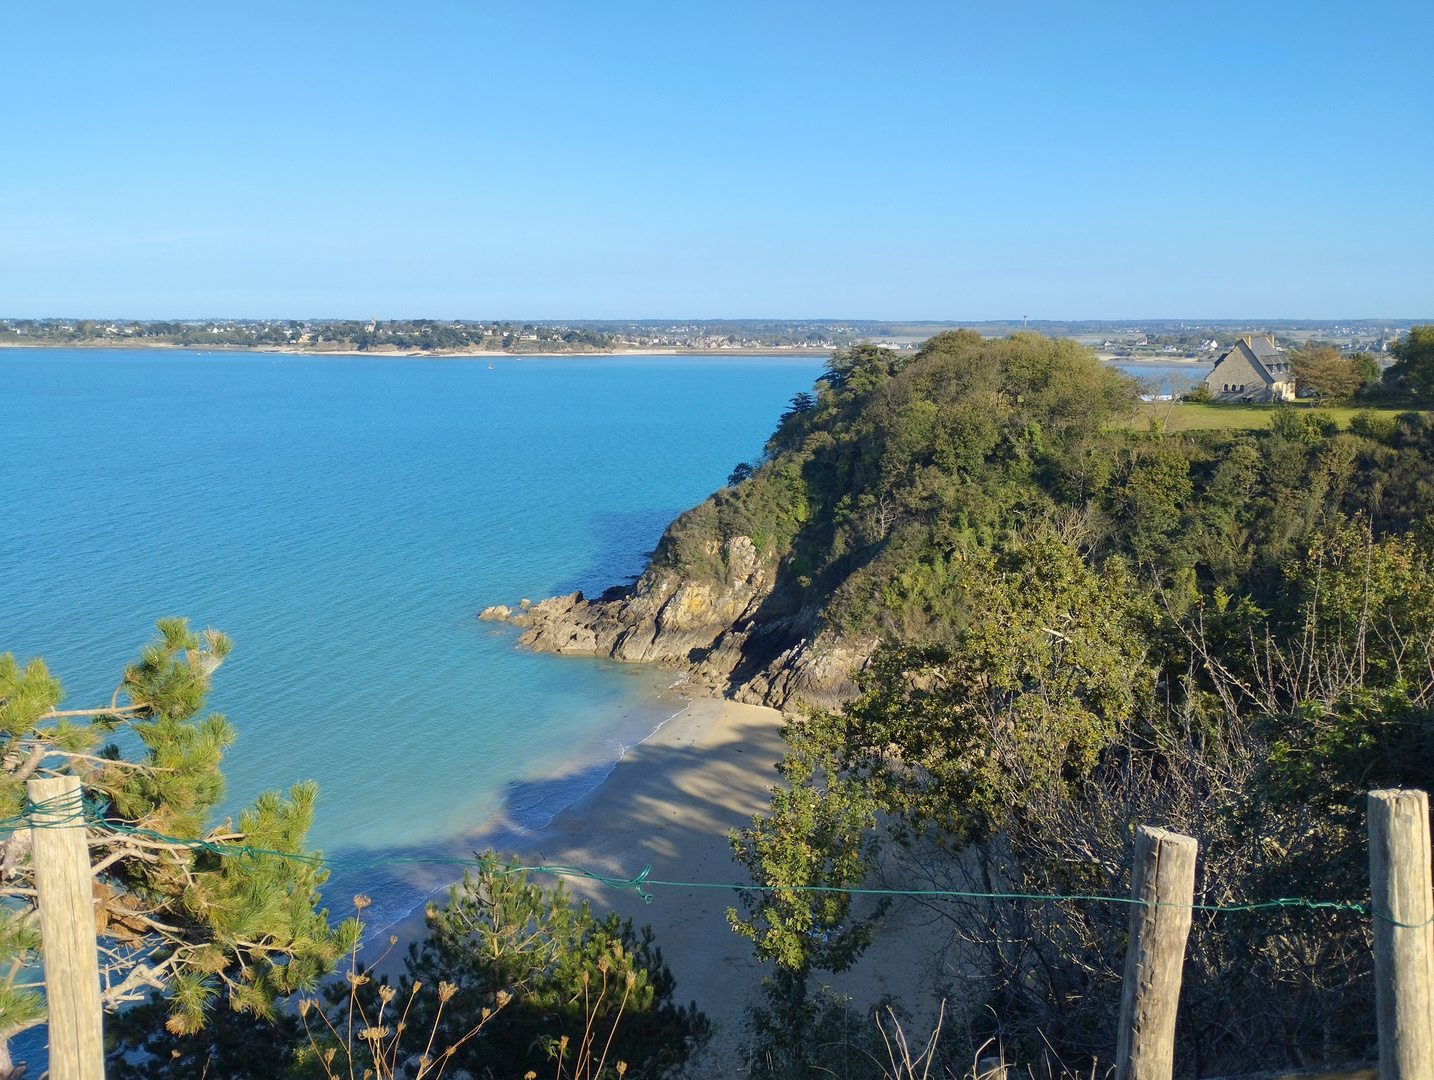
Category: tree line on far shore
<point>418,335</point>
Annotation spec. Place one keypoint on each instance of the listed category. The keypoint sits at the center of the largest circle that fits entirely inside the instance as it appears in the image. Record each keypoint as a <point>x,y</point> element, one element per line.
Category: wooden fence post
<point>1399,887</point>
<point>1164,874</point>
<point>67,926</point>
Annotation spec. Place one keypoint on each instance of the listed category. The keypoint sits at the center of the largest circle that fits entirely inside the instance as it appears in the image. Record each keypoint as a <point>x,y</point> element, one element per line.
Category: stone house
<point>1254,370</point>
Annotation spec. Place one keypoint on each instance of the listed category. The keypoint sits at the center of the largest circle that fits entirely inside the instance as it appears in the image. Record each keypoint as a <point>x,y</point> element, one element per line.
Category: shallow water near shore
<point>344,519</point>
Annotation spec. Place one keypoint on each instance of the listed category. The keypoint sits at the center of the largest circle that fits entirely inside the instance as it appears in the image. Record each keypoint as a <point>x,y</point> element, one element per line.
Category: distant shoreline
<point>450,354</point>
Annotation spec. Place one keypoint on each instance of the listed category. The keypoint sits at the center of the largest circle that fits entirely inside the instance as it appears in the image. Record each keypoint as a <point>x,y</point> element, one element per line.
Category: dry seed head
<point>416,988</point>
<point>385,994</point>
<point>585,978</point>
<point>367,1073</point>
<point>621,1069</point>
<point>631,978</point>
<point>329,1055</point>
<point>446,990</point>
<point>487,1012</point>
<point>603,965</point>
<point>361,901</point>
<point>393,939</point>
<point>530,1075</point>
<point>305,1004</point>
<point>562,1044</point>
<point>503,998</point>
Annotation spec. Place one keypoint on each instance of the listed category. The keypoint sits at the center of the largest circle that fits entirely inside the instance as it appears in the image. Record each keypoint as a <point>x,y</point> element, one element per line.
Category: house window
<point>1242,388</point>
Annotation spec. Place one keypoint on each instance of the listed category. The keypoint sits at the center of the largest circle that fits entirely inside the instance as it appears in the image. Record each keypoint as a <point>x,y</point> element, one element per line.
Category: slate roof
<point>1263,349</point>
<point>1260,352</point>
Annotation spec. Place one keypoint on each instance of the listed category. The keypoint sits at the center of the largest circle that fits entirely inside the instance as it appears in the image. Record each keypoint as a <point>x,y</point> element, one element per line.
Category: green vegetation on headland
<point>1083,624</point>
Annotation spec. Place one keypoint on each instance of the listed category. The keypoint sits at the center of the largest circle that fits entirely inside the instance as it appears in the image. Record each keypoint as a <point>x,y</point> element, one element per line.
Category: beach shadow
<point>400,879</point>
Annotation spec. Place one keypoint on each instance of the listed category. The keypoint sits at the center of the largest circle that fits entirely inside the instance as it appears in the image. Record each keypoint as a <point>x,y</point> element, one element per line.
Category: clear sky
<point>607,160</point>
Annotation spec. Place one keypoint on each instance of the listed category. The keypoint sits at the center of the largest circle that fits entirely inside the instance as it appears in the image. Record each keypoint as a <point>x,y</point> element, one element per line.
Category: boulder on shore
<point>496,613</point>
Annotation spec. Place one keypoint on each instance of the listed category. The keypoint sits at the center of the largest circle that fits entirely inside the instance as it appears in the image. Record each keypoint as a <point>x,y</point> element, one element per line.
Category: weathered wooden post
<point>1400,889</point>
<point>67,926</point>
<point>1164,883</point>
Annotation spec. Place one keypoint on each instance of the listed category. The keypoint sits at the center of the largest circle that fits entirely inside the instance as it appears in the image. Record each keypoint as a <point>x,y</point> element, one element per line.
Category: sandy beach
<point>669,804</point>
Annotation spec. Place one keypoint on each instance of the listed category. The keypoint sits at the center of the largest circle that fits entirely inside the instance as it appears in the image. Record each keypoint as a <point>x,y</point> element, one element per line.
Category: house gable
<point>1254,370</point>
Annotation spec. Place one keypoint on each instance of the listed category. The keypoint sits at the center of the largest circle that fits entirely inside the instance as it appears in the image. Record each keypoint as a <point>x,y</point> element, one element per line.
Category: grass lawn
<point>1187,416</point>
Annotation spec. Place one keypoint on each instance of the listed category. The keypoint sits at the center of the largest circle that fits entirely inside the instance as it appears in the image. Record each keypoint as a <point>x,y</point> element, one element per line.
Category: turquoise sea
<point>344,520</point>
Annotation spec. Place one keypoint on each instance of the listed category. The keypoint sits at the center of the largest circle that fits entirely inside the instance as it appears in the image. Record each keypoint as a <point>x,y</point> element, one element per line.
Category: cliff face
<point>727,633</point>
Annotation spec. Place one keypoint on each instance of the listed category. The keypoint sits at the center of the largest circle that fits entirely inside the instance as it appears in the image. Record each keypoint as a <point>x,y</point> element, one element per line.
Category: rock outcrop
<point>727,632</point>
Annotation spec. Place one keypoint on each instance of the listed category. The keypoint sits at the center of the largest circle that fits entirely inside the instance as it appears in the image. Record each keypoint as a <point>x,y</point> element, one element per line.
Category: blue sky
<point>824,160</point>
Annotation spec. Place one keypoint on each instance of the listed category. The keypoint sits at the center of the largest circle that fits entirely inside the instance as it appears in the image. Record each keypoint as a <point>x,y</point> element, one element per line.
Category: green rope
<point>645,878</point>
<point>69,810</point>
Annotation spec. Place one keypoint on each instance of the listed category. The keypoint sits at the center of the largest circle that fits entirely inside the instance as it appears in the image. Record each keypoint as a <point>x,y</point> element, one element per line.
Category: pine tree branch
<point>139,766</point>
<point>129,990</point>
<point>140,841</point>
<point>124,853</point>
<point>17,844</point>
<point>32,762</point>
<point>124,710</point>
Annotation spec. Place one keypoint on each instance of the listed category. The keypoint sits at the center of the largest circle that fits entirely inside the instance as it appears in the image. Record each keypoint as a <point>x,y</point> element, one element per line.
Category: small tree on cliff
<point>195,924</point>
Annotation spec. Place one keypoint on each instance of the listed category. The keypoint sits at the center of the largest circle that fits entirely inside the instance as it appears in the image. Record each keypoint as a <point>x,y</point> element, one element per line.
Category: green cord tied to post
<point>59,811</point>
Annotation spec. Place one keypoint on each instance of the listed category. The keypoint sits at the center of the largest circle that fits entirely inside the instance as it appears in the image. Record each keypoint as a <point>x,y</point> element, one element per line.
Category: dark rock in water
<point>721,631</point>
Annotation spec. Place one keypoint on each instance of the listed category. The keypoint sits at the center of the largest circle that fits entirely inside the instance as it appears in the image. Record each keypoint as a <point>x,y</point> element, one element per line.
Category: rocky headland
<point>727,629</point>
<point>857,525</point>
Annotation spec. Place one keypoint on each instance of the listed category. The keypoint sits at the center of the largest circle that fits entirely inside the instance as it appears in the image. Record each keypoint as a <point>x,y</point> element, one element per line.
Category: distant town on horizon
<point>1136,338</point>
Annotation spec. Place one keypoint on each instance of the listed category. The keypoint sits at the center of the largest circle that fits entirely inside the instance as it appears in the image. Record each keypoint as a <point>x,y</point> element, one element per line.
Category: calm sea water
<point>1163,377</point>
<point>344,520</point>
